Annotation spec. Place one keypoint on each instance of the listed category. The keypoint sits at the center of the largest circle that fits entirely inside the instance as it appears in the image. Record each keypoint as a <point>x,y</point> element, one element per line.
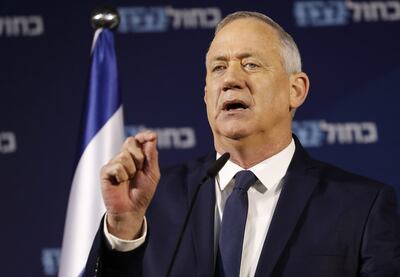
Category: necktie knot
<point>244,180</point>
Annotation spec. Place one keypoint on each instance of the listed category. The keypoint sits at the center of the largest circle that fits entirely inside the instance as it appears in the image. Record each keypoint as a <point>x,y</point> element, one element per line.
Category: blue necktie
<point>233,225</point>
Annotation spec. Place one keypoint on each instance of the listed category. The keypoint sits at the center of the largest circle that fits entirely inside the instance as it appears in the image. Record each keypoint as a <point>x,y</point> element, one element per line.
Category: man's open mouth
<point>234,105</point>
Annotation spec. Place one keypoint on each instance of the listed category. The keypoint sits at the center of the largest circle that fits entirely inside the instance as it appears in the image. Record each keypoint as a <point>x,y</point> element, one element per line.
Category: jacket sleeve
<point>380,249</point>
<point>104,262</point>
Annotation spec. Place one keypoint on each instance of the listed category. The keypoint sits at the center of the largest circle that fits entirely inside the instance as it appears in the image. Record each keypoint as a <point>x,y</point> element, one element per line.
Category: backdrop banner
<point>350,51</point>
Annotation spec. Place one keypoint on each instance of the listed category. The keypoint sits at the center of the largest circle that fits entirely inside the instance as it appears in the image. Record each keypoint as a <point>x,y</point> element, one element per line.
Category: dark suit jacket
<point>327,222</point>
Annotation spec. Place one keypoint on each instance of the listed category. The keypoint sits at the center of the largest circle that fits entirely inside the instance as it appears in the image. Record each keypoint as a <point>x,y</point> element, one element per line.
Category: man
<point>302,217</point>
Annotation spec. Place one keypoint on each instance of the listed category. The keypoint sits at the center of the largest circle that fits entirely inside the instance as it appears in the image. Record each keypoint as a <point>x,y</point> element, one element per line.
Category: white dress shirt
<point>263,197</point>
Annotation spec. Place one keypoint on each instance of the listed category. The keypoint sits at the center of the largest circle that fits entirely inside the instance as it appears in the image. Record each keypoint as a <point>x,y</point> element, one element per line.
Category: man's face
<point>247,88</point>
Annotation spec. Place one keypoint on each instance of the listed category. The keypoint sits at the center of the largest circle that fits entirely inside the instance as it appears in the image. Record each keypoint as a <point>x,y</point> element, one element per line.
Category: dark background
<point>350,52</point>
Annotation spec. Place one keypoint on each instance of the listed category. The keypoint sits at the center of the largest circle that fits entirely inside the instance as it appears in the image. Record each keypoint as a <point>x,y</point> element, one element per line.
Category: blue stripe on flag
<point>103,97</point>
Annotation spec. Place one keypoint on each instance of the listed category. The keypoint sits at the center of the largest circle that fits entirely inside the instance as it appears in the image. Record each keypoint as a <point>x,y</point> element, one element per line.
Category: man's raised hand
<point>128,184</point>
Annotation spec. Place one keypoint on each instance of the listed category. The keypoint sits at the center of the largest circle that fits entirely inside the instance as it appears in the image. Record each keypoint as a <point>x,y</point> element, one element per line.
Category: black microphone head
<point>218,164</point>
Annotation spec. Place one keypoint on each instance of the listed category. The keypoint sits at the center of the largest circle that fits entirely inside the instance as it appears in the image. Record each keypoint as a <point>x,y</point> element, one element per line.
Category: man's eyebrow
<point>239,56</point>
<point>219,58</point>
<point>246,55</point>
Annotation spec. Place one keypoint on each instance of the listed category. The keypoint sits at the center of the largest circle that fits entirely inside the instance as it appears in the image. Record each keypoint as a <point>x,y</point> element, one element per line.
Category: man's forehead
<point>243,37</point>
<point>247,26</point>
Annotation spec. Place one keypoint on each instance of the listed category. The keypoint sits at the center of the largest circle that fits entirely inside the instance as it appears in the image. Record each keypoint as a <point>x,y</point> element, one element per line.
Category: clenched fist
<point>128,183</point>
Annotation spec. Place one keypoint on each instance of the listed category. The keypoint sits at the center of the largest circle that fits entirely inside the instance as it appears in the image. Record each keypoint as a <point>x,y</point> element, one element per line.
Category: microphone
<point>217,165</point>
<point>211,173</point>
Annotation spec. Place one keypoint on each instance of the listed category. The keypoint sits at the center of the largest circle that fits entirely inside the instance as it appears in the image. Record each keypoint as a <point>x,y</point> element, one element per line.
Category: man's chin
<point>235,133</point>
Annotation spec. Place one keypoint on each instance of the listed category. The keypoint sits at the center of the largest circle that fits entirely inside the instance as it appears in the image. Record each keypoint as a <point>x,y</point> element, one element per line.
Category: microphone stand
<point>211,173</point>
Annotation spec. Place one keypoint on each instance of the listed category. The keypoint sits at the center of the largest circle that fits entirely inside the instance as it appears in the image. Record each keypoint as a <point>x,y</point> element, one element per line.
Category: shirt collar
<point>270,171</point>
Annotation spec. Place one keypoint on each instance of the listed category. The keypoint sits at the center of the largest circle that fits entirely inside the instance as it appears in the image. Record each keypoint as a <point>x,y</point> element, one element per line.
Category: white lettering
<point>374,11</point>
<point>8,142</point>
<point>393,8</point>
<point>347,133</point>
<point>169,137</point>
<point>178,138</point>
<point>15,26</point>
<point>50,260</point>
<point>161,19</point>
<point>370,132</point>
<point>194,18</point>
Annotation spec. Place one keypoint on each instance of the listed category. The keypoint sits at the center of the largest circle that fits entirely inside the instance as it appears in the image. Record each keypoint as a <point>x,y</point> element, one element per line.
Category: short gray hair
<point>289,51</point>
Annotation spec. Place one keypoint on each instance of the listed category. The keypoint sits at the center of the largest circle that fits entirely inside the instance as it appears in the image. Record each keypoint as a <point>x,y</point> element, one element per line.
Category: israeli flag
<point>101,138</point>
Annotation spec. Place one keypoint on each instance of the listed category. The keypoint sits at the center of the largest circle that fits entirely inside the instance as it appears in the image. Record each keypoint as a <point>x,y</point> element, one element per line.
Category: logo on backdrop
<point>163,19</point>
<point>339,13</point>
<point>21,26</point>
<point>8,142</point>
<point>317,133</point>
<point>168,137</point>
<point>50,261</point>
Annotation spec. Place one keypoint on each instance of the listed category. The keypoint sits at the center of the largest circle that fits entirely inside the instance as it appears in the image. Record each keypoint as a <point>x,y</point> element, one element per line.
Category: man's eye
<point>218,68</point>
<point>250,65</point>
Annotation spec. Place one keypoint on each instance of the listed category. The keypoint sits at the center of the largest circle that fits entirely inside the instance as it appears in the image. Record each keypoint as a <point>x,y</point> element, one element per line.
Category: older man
<point>271,210</point>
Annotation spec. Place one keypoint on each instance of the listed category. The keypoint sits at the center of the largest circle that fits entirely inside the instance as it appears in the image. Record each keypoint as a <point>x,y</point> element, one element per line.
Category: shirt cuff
<point>123,245</point>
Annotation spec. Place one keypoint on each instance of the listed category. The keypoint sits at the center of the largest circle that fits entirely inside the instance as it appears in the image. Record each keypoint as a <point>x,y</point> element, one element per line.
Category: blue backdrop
<point>350,50</point>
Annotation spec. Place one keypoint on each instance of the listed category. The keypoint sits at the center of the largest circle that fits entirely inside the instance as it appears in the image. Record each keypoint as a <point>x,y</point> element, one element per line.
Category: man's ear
<point>299,85</point>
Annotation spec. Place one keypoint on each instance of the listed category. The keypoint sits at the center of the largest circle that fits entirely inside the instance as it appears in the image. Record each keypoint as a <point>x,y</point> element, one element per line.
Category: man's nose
<point>234,77</point>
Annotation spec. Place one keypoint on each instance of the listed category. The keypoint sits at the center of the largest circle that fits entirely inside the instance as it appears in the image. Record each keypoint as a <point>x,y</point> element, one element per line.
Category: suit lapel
<point>202,221</point>
<point>296,191</point>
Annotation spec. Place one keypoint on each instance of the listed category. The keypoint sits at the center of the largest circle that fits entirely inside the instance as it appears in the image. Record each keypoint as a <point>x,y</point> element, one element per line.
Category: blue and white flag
<point>102,137</point>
